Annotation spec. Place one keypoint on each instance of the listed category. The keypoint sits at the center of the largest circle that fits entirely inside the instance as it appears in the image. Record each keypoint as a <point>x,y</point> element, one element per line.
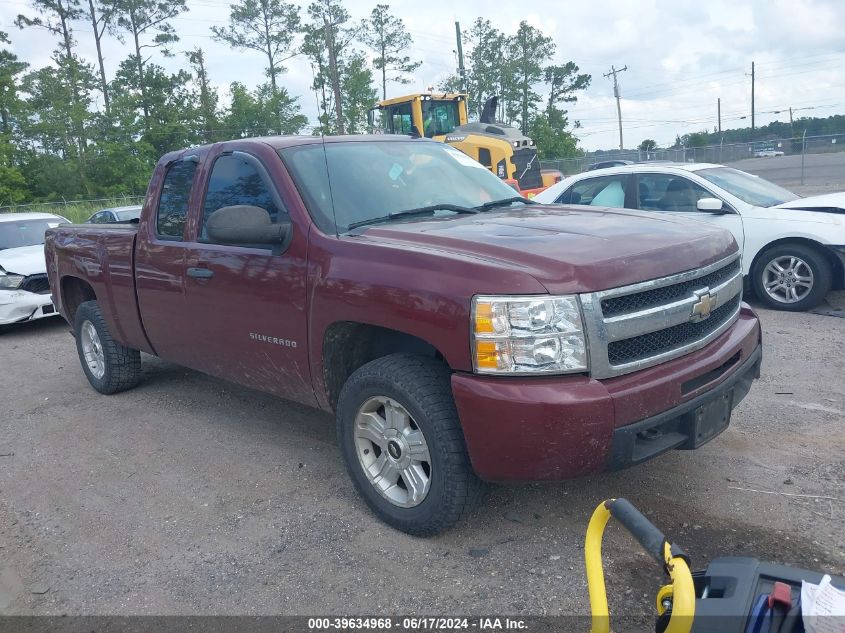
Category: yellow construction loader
<point>503,149</point>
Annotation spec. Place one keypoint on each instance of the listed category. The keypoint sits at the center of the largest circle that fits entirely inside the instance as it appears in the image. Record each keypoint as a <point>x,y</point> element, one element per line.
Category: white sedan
<point>24,289</point>
<point>793,248</point>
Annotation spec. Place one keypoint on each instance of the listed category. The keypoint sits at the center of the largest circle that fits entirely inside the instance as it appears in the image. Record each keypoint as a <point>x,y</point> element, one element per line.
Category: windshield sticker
<point>463,159</point>
<point>395,171</point>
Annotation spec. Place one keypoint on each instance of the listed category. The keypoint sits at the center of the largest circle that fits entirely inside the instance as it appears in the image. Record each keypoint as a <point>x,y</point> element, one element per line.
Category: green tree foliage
<point>67,120</point>
<point>648,145</point>
<point>550,133</point>
<point>13,185</point>
<point>102,15</point>
<point>205,102</point>
<point>259,113</point>
<point>147,22</point>
<point>358,92</point>
<point>342,80</point>
<point>529,49</point>
<point>265,26</point>
<point>515,68</point>
<point>488,69</point>
<point>386,36</point>
<point>328,36</point>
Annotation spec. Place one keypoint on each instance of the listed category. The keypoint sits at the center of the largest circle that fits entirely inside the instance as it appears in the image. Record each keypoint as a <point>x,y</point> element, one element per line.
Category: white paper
<point>822,607</point>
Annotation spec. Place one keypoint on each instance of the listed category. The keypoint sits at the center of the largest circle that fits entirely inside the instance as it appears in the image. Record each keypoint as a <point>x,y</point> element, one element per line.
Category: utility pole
<point>791,132</point>
<point>752,100</point>
<point>719,112</point>
<point>461,70</point>
<point>614,71</point>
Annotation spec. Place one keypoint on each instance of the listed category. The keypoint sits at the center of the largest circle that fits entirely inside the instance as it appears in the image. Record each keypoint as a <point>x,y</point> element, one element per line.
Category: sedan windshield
<point>126,215</point>
<point>350,183</point>
<point>26,232</point>
<point>751,189</point>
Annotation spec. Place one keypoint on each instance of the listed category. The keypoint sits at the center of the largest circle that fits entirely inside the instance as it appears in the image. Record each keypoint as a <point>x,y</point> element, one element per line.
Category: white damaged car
<point>793,248</point>
<point>24,289</point>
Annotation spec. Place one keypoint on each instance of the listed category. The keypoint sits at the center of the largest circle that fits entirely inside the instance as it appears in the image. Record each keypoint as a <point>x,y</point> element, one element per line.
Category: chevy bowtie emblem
<point>702,308</point>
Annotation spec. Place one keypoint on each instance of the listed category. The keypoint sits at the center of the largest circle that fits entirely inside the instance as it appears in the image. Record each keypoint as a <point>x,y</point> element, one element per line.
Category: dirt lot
<point>188,495</point>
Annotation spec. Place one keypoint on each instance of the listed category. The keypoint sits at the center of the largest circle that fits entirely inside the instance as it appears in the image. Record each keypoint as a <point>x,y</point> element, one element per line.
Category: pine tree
<point>386,35</point>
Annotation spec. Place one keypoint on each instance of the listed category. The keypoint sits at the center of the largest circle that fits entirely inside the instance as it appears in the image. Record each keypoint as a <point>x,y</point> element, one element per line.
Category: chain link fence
<point>723,153</point>
<point>74,210</point>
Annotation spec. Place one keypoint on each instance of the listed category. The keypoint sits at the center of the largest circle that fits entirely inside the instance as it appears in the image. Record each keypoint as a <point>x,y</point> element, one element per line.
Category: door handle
<point>200,273</point>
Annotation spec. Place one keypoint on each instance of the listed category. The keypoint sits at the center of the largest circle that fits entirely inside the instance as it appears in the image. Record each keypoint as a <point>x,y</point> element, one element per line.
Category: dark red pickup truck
<point>461,334</point>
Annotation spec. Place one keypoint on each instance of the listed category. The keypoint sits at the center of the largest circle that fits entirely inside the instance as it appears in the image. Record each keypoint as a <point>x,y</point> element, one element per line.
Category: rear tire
<point>109,366</point>
<point>397,422</point>
<point>793,277</point>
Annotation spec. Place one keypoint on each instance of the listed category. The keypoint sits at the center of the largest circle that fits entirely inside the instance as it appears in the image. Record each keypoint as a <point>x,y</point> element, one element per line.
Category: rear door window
<point>173,204</point>
<point>603,191</point>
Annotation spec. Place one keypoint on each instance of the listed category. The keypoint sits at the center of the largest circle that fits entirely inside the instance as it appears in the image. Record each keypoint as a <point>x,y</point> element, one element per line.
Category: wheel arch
<point>348,345</point>
<point>835,262</point>
<point>74,292</point>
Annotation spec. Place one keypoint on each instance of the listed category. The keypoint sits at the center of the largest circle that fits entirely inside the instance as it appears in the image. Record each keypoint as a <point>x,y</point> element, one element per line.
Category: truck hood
<point>569,248</point>
<point>24,260</point>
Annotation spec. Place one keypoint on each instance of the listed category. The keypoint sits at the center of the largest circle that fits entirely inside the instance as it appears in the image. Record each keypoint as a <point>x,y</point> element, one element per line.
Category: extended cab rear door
<point>160,260</point>
<point>244,308</point>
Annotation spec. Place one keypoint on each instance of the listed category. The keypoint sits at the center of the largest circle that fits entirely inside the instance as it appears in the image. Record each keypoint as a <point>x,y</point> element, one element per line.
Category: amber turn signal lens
<point>484,318</point>
<point>486,355</point>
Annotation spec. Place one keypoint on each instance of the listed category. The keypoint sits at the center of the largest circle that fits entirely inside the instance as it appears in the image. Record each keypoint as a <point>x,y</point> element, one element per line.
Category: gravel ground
<point>188,495</point>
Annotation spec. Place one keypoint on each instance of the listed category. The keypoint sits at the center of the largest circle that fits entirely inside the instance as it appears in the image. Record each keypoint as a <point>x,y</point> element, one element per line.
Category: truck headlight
<point>10,282</point>
<point>539,334</point>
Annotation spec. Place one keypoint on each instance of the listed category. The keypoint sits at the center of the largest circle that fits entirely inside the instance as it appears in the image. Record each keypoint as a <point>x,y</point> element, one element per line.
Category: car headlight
<point>540,334</point>
<point>11,282</point>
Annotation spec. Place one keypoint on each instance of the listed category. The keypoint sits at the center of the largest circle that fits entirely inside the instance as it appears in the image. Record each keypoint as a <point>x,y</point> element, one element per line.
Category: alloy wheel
<point>393,452</point>
<point>787,279</point>
<point>92,350</point>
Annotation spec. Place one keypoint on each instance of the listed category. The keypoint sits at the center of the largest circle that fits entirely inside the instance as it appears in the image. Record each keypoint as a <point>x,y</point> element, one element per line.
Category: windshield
<point>351,182</point>
<point>26,232</point>
<point>439,117</point>
<point>751,189</point>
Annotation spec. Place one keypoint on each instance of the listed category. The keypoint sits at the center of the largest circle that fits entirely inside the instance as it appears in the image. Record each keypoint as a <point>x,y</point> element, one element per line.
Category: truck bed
<point>103,256</point>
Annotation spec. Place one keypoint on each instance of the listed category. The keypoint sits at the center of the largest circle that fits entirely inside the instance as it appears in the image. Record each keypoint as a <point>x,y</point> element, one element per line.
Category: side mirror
<point>244,224</point>
<point>710,205</point>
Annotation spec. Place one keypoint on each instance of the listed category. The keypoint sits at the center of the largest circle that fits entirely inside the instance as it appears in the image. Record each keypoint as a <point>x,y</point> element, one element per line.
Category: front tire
<point>792,277</point>
<point>109,366</point>
<point>401,439</point>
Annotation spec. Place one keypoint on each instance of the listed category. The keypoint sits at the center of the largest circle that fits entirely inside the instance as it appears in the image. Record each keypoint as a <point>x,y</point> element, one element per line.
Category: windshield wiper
<point>502,203</point>
<point>412,212</point>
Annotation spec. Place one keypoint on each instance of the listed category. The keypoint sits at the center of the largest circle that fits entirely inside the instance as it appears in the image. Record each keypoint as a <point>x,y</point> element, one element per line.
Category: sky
<point>681,56</point>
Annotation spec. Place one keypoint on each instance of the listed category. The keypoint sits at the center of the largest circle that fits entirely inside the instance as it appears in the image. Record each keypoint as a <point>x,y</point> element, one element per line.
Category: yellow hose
<point>683,589</point>
<point>595,572</point>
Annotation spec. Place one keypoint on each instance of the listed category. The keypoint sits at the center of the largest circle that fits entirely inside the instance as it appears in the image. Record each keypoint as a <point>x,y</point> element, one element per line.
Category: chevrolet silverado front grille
<point>646,345</point>
<point>650,298</point>
<point>644,324</point>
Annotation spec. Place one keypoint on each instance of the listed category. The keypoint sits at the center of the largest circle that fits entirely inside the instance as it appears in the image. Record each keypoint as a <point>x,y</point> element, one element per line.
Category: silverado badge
<point>702,308</point>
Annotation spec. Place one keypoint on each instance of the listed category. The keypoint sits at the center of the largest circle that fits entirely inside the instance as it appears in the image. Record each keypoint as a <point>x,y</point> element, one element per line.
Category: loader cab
<point>430,115</point>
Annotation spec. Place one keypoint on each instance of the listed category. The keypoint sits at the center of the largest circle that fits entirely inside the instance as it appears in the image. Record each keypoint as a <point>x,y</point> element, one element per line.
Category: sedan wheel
<point>791,276</point>
<point>788,279</point>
